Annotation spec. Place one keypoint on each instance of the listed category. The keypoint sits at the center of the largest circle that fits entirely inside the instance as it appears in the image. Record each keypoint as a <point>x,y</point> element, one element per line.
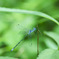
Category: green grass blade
<point>29,12</point>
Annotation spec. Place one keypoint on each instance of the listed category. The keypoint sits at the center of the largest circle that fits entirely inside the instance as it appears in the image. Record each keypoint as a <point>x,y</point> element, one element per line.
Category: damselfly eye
<point>34,29</point>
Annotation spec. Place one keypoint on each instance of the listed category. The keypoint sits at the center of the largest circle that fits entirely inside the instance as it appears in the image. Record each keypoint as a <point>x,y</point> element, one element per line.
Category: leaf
<point>50,43</point>
<point>1,57</point>
<point>29,12</point>
<point>55,55</point>
<point>53,36</point>
<point>49,54</point>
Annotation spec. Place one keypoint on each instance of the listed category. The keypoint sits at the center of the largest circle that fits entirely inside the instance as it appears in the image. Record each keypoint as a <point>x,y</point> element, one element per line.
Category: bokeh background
<point>15,26</point>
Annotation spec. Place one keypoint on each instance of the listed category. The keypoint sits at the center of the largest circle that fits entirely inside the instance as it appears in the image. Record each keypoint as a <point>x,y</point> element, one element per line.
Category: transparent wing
<point>23,29</point>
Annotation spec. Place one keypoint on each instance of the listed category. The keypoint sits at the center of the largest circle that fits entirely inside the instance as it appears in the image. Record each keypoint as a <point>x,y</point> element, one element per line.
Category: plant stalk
<point>37,40</point>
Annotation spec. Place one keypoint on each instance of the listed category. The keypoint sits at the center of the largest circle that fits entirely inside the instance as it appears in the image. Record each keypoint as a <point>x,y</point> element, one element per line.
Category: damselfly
<point>30,31</point>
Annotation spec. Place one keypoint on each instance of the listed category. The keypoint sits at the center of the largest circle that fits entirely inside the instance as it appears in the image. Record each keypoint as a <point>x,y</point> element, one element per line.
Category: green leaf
<point>29,12</point>
<point>1,57</point>
<point>49,54</point>
<point>55,55</point>
<point>53,36</point>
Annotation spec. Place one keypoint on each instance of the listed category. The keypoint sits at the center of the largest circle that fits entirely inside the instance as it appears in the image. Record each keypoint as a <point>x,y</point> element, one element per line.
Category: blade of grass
<point>29,12</point>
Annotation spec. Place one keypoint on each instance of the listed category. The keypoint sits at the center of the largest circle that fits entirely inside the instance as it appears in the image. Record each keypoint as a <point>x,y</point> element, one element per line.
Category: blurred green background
<point>14,26</point>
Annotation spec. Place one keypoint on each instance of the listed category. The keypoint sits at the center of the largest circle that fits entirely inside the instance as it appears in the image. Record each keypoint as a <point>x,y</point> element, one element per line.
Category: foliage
<point>17,17</point>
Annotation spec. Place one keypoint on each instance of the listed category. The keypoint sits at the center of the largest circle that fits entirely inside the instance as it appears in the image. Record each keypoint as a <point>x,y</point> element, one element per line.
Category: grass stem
<point>37,40</point>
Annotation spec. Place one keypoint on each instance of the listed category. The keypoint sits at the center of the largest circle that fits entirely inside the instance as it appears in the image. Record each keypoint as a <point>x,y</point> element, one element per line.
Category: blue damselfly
<point>30,31</point>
